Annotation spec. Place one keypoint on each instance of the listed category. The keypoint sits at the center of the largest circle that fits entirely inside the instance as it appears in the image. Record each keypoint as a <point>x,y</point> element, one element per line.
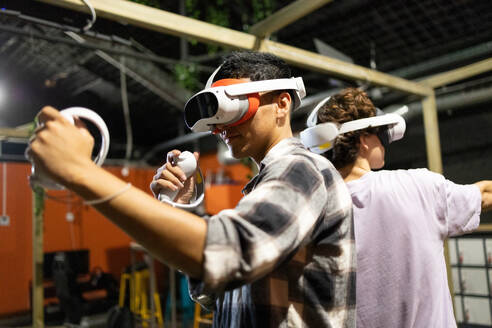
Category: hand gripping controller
<point>39,178</point>
<point>187,163</point>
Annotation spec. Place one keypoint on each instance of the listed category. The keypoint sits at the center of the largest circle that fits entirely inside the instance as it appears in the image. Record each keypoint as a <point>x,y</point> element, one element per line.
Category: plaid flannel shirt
<point>285,256</point>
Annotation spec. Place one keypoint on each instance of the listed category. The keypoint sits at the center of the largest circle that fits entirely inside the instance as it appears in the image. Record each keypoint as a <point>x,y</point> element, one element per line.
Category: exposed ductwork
<point>454,101</point>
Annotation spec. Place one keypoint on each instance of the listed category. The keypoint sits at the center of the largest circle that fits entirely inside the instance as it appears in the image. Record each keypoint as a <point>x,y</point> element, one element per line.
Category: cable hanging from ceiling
<point>93,14</point>
<point>126,113</point>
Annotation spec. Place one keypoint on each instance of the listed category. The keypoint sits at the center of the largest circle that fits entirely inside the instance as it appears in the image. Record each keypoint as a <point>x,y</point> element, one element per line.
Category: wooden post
<point>37,259</point>
<point>431,127</point>
<point>434,162</point>
<point>449,273</point>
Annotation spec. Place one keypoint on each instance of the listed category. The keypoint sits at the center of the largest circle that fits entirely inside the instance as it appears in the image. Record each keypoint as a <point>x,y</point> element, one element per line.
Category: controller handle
<point>187,163</point>
<point>39,178</point>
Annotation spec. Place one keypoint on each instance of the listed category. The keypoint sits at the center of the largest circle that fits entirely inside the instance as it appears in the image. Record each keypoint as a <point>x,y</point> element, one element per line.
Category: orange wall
<point>237,172</point>
<point>107,244</point>
<point>219,197</point>
<point>15,241</point>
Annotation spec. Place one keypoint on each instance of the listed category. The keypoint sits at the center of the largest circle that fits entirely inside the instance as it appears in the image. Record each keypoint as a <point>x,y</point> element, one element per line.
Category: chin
<point>238,152</point>
<point>376,165</point>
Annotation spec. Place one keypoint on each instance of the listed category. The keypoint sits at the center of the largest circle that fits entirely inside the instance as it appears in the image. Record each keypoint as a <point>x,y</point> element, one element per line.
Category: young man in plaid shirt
<point>284,257</point>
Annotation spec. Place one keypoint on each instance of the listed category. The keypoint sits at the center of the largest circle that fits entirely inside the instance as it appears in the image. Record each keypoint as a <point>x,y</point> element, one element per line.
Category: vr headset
<point>234,101</point>
<point>320,138</point>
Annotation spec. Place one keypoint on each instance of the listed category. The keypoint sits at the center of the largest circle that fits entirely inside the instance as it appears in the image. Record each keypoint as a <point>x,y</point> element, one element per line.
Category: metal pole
<point>37,259</point>
<point>152,284</point>
<point>172,283</point>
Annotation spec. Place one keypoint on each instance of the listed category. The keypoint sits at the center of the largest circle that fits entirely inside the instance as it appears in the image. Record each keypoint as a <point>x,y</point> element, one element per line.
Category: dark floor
<point>24,320</point>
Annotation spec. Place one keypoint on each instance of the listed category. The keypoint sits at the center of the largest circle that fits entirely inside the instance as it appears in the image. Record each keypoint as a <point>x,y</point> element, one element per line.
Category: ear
<point>363,144</point>
<point>283,105</point>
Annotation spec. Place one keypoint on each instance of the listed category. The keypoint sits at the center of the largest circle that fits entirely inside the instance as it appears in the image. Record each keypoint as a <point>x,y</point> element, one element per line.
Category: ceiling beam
<point>334,67</point>
<point>170,23</point>
<point>458,74</point>
<point>422,68</point>
<point>286,16</point>
<point>162,21</point>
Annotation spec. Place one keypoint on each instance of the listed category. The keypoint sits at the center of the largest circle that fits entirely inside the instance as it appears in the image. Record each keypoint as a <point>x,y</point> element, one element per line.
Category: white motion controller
<point>187,163</point>
<point>39,178</point>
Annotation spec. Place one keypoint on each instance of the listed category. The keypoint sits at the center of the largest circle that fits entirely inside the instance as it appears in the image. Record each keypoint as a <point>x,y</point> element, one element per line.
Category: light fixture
<point>3,94</point>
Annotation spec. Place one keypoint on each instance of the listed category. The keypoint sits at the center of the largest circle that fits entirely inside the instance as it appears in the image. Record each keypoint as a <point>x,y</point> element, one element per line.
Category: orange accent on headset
<point>253,99</point>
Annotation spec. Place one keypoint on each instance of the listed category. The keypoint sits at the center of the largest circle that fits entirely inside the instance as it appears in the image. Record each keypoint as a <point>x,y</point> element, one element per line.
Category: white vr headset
<point>320,138</point>
<point>234,101</point>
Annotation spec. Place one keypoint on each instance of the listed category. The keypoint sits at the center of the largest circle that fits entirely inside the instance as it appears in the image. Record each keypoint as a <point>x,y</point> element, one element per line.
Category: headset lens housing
<point>203,105</point>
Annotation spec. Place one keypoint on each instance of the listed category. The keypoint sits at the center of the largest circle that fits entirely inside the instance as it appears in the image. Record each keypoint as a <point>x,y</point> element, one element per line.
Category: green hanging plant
<point>221,13</point>
<point>262,9</point>
<point>192,9</point>
<point>215,13</point>
<point>187,76</point>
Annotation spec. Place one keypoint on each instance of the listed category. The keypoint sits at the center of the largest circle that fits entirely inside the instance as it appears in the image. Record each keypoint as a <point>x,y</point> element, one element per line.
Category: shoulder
<point>303,171</point>
<point>290,163</point>
<point>295,168</point>
<point>426,179</point>
<point>300,163</point>
<point>421,175</point>
<point>424,173</point>
<point>411,180</point>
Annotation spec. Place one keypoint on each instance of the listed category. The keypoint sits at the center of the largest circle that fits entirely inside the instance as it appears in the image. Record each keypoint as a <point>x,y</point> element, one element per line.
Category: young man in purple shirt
<point>401,218</point>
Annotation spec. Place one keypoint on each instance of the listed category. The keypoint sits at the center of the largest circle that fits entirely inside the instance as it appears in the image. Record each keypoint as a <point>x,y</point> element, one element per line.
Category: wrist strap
<point>108,198</point>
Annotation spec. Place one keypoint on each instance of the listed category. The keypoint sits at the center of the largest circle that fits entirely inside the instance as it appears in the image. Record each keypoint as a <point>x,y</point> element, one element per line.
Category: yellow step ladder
<point>139,296</point>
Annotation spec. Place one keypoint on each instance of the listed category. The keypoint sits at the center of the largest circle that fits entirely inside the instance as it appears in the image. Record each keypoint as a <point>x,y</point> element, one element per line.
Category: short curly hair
<point>256,66</point>
<point>348,105</point>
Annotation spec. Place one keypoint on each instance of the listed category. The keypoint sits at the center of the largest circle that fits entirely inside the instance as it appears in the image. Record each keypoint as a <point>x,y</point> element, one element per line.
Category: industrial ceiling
<point>46,58</point>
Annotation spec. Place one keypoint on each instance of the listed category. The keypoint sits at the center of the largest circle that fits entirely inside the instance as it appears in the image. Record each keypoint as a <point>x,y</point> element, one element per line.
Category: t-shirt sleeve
<point>459,206</point>
<point>463,207</point>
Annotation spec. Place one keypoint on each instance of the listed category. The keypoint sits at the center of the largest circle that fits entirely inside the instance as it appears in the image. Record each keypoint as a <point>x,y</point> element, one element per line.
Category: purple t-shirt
<point>401,220</point>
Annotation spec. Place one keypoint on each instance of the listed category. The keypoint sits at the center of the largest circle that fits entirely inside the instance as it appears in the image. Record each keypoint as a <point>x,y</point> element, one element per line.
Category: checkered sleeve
<point>197,294</point>
<point>268,225</point>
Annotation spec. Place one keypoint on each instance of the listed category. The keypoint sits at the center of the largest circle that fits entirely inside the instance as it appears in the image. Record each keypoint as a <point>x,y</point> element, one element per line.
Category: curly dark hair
<point>348,105</point>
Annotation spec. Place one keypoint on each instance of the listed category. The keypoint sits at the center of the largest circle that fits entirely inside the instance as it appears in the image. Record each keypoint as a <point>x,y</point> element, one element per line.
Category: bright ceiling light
<point>2,94</point>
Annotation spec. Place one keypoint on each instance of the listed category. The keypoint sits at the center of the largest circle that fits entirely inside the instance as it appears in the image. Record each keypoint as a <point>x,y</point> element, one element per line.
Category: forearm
<point>485,187</point>
<point>174,236</point>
